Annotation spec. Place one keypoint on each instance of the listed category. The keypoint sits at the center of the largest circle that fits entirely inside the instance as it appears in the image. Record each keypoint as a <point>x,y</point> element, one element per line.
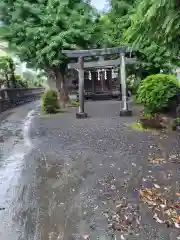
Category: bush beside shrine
<point>50,103</point>
<point>157,91</point>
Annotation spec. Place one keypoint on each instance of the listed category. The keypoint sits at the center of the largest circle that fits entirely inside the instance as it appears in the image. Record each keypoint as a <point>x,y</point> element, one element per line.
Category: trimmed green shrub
<point>156,91</point>
<point>20,82</point>
<point>175,124</point>
<point>50,102</point>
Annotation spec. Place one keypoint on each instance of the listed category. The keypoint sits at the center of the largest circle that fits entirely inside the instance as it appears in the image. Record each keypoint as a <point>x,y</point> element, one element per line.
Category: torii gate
<point>81,65</point>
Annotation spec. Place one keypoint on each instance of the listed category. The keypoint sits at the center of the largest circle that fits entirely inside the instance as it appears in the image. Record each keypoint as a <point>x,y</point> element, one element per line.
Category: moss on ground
<point>73,103</point>
<point>136,126</point>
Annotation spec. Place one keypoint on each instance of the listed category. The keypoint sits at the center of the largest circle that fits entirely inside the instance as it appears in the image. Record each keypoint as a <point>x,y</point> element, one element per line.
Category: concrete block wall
<point>10,98</point>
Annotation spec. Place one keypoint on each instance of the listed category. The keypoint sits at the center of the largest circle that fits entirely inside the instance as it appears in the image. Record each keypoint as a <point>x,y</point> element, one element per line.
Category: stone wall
<point>10,98</point>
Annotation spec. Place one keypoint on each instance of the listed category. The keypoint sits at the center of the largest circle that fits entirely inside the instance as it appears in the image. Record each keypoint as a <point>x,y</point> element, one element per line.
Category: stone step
<point>102,96</point>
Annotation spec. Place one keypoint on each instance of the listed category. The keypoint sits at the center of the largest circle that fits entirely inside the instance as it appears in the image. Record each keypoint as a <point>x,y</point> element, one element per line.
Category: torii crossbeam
<point>102,63</point>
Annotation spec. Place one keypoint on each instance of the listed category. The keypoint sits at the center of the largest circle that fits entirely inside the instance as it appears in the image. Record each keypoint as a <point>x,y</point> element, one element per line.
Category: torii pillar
<point>81,113</point>
<point>124,108</point>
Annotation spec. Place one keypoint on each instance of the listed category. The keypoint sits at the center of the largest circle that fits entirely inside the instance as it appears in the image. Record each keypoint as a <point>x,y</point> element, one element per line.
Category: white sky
<point>99,4</point>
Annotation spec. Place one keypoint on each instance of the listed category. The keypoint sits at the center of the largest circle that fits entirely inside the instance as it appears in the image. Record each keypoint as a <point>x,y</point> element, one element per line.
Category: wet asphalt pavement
<point>63,178</point>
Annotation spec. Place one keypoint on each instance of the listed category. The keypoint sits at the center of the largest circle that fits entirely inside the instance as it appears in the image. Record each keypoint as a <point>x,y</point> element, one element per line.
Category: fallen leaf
<point>156,160</point>
<point>142,194</point>
<point>119,205</point>
<point>172,156</point>
<point>168,212</point>
<point>177,205</point>
<point>178,220</point>
<point>137,221</point>
<point>163,205</point>
<point>156,186</point>
<point>146,195</point>
<point>157,218</point>
<point>86,237</point>
<point>149,191</point>
<point>106,215</point>
<point>151,203</point>
<point>177,225</point>
<point>113,187</point>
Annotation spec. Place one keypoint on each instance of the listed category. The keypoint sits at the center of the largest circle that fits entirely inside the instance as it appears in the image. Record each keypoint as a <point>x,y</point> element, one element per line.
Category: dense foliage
<point>39,30</point>
<point>50,102</point>
<point>158,21</point>
<point>7,69</point>
<point>33,79</point>
<point>122,29</point>
<point>156,91</point>
<point>9,78</point>
<point>21,82</point>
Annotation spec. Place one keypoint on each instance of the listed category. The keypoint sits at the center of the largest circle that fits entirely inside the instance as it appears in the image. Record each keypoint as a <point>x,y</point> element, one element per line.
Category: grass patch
<point>135,126</point>
<point>73,103</point>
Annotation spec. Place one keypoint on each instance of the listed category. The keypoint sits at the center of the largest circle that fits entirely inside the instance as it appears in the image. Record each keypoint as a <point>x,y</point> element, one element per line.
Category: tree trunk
<point>12,76</point>
<point>7,81</point>
<point>62,89</point>
<point>56,81</point>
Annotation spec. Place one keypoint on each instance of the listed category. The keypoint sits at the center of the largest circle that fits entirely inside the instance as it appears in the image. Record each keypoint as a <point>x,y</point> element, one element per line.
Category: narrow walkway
<point>15,145</point>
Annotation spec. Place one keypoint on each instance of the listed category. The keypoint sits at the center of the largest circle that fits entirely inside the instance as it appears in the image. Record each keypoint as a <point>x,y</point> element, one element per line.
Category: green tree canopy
<point>158,21</point>
<point>121,28</point>
<point>39,30</point>
<point>7,69</point>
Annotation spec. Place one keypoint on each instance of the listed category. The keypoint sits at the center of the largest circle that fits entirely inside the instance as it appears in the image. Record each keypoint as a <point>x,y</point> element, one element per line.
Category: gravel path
<point>93,171</point>
<point>83,177</point>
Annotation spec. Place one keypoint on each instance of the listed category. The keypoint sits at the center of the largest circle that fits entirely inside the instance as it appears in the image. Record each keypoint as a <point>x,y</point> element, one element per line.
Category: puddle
<point>12,165</point>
